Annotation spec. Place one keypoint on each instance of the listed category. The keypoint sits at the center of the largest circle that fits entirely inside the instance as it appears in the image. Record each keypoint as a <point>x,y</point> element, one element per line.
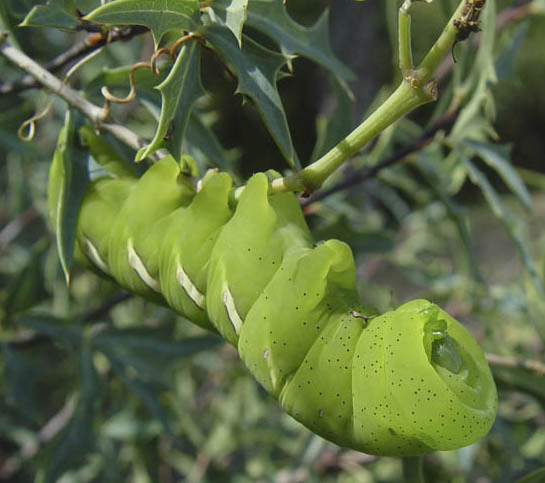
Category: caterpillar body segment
<point>139,229</point>
<point>294,309</point>
<point>249,251</point>
<point>97,216</point>
<point>407,382</point>
<point>184,278</point>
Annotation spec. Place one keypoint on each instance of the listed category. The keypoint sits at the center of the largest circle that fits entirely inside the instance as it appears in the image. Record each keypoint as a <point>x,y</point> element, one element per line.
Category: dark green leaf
<point>498,158</point>
<point>271,18</point>
<point>149,392</point>
<point>69,177</point>
<point>537,476</point>
<point>28,287</point>
<point>52,327</point>
<point>77,439</point>
<point>231,14</point>
<point>150,351</point>
<point>53,15</point>
<point>105,155</point>
<point>257,70</point>
<point>334,127</point>
<point>520,380</point>
<point>179,91</point>
<point>360,240</point>
<point>20,378</point>
<point>203,144</point>
<point>160,16</point>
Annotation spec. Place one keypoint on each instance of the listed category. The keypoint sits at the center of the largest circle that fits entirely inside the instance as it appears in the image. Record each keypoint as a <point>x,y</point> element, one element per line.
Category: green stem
<point>402,101</point>
<point>404,34</point>
<point>412,469</point>
<point>416,89</point>
<point>441,48</point>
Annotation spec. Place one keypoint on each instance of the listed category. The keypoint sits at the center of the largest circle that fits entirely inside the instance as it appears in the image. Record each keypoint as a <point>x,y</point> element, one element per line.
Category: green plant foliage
<point>446,204</point>
<point>179,91</point>
<point>160,16</point>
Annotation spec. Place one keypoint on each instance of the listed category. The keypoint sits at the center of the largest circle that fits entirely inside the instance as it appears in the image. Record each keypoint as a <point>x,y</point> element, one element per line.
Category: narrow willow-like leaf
<point>69,171</point>
<point>498,158</point>
<point>73,444</point>
<point>147,391</point>
<point>28,288</point>
<point>257,69</point>
<point>456,214</point>
<point>150,351</point>
<point>537,476</point>
<point>517,379</point>
<point>179,91</point>
<point>160,16</point>
<point>20,383</point>
<point>509,220</point>
<point>54,328</point>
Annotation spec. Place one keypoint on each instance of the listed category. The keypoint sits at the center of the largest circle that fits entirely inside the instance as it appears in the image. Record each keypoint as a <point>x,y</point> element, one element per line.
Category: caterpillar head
<point>421,383</point>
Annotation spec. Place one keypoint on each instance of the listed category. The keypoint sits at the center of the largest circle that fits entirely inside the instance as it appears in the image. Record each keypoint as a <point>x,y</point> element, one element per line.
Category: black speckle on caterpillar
<point>406,382</point>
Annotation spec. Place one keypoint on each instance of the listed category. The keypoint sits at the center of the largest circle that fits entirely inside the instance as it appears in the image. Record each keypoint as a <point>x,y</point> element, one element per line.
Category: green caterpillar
<point>407,382</point>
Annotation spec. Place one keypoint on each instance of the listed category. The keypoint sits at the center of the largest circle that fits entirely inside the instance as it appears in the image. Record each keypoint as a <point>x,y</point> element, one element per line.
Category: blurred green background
<point>137,394</point>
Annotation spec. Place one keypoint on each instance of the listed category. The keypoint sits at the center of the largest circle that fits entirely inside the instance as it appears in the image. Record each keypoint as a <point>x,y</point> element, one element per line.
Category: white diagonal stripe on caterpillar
<point>189,287</point>
<point>94,255</point>
<point>231,308</point>
<point>136,263</point>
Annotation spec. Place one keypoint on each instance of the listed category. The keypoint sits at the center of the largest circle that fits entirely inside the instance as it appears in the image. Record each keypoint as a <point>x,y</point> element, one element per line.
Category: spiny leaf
<point>179,91</point>
<point>61,16</point>
<point>230,13</point>
<point>160,16</point>
<point>272,18</point>
<point>257,69</point>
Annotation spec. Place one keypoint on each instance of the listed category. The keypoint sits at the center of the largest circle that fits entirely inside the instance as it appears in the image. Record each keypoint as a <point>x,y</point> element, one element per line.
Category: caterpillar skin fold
<point>407,382</point>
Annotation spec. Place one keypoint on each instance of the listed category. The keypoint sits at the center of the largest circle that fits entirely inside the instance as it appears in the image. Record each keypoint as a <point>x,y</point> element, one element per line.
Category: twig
<point>79,50</point>
<point>30,339</point>
<point>15,226</point>
<point>537,367</point>
<point>53,427</point>
<point>505,18</point>
<point>367,173</point>
<point>106,307</point>
<point>96,114</point>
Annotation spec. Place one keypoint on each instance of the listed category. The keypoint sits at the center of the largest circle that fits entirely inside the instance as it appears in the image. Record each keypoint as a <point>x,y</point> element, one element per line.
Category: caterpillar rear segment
<point>407,382</point>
